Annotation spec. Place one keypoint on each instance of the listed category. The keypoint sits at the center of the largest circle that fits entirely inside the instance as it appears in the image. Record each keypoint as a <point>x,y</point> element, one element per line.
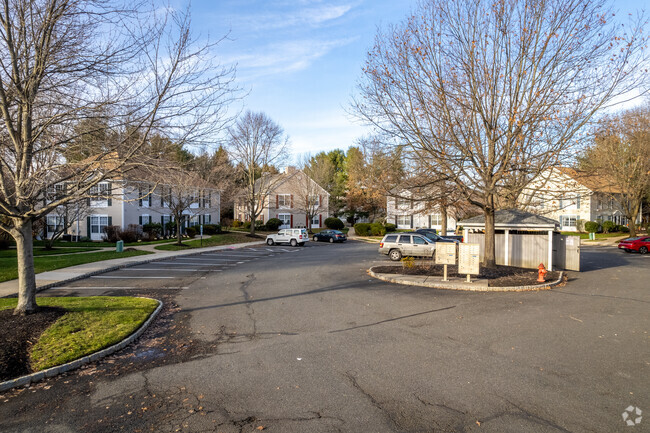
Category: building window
<point>404,220</point>
<point>97,224</point>
<point>402,202</point>
<point>568,220</point>
<point>314,200</point>
<point>577,201</point>
<point>99,195</point>
<point>315,220</point>
<point>436,219</point>
<point>284,200</point>
<point>54,223</point>
<point>207,199</point>
<point>145,219</point>
<point>286,220</point>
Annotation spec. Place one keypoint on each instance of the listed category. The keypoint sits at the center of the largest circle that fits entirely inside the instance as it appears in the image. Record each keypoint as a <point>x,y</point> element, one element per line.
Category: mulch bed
<point>501,276</point>
<point>18,334</point>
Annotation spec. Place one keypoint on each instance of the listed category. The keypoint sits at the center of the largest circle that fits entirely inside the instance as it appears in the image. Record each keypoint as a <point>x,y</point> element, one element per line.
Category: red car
<point>639,243</point>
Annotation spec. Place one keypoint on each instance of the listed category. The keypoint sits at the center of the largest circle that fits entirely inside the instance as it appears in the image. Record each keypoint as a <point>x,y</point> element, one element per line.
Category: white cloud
<point>311,16</point>
<point>283,57</point>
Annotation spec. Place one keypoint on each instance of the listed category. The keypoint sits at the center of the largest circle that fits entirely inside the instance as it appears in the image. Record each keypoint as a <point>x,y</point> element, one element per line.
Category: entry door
<point>286,220</point>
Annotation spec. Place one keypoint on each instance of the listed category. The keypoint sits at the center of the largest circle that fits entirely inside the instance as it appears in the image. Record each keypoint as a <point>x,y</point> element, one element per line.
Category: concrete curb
<point>54,371</point>
<point>441,285</point>
<point>140,262</point>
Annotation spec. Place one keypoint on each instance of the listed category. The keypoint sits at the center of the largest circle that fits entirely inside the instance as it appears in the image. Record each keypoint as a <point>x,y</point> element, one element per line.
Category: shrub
<point>190,232</point>
<point>211,229</point>
<point>580,225</point>
<point>609,226</point>
<point>592,226</point>
<point>362,229</point>
<point>112,234</point>
<point>390,227</point>
<point>236,224</point>
<point>377,229</point>
<point>153,230</point>
<point>170,228</point>
<point>408,262</point>
<point>273,224</point>
<point>246,225</point>
<point>259,225</point>
<point>226,222</point>
<point>334,223</point>
<point>622,229</point>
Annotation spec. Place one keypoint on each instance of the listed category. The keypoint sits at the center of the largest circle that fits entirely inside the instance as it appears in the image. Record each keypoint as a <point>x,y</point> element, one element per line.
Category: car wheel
<point>395,255</point>
<point>302,244</point>
<point>315,238</point>
<point>294,242</point>
<point>269,242</point>
<point>643,250</point>
<point>331,240</point>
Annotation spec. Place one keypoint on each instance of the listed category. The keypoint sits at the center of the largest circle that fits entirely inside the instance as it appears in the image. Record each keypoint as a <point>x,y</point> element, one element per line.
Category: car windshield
<point>633,239</point>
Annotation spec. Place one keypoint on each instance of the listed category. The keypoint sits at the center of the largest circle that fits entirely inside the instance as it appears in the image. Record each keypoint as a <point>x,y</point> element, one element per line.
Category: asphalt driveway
<point>306,341</point>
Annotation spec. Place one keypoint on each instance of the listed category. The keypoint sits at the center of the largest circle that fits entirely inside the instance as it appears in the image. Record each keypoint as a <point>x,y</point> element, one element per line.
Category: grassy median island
<point>66,329</point>
<point>9,265</point>
<point>212,241</point>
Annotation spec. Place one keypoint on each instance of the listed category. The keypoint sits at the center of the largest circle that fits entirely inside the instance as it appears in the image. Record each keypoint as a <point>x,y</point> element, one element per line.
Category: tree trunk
<point>635,213</point>
<point>179,240</point>
<point>443,216</point>
<point>489,260</point>
<point>252,233</point>
<point>26,277</point>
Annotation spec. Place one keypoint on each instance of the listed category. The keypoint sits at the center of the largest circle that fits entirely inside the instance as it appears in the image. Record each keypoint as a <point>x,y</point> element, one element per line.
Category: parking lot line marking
<point>117,277</point>
<point>116,287</point>
<point>176,263</point>
<point>232,255</point>
<point>203,260</point>
<point>159,269</point>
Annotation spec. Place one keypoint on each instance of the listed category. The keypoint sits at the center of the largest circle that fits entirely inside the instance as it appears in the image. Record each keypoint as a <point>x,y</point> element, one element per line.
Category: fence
<point>529,250</point>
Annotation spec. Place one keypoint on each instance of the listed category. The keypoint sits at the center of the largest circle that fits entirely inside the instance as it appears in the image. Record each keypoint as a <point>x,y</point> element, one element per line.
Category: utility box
<point>119,246</point>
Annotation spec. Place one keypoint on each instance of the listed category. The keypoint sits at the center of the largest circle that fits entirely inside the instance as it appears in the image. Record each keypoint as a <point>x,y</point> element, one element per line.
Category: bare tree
<point>61,219</point>
<point>185,194</point>
<point>497,92</point>
<point>257,145</point>
<point>311,198</point>
<point>620,155</point>
<point>123,70</point>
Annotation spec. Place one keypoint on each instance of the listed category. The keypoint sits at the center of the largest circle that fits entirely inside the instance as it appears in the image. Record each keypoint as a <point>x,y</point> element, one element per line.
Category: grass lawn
<point>214,240</point>
<point>9,265</point>
<point>598,235</point>
<point>44,252</point>
<point>89,325</point>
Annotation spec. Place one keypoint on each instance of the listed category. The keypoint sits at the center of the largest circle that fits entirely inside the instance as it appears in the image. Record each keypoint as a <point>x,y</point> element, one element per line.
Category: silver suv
<point>398,245</point>
<point>288,236</point>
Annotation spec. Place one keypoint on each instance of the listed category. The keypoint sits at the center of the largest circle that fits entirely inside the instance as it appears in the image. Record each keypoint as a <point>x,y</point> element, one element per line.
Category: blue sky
<point>300,59</point>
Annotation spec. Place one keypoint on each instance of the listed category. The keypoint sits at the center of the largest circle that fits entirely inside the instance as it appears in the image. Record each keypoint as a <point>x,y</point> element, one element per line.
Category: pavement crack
<point>353,381</point>
<point>250,310</point>
<point>393,319</point>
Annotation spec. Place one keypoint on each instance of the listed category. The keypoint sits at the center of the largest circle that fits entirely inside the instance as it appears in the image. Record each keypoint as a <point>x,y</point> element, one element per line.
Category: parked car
<point>330,235</point>
<point>639,243</point>
<point>398,245</point>
<point>434,236</point>
<point>292,237</point>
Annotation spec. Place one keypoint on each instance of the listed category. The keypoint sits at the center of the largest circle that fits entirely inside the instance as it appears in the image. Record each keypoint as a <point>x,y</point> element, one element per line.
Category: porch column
<point>465,235</point>
<point>549,265</point>
<point>507,248</point>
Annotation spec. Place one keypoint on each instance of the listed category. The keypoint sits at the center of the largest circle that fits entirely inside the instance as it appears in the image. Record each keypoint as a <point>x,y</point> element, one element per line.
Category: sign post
<point>201,229</point>
<point>468,260</point>
<point>445,255</point>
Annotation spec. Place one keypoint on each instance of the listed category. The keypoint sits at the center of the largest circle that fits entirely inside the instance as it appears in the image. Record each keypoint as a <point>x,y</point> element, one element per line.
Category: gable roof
<point>513,219</point>
<point>596,183</point>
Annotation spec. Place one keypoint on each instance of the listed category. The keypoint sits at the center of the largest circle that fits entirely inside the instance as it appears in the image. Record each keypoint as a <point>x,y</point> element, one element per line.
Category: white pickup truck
<point>293,237</point>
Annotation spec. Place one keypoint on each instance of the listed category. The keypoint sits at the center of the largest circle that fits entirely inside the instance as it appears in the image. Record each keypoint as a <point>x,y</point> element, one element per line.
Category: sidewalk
<point>45,280</point>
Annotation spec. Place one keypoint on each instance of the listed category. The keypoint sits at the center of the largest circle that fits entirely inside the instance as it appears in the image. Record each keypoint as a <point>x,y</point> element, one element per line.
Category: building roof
<point>513,219</point>
<point>596,183</point>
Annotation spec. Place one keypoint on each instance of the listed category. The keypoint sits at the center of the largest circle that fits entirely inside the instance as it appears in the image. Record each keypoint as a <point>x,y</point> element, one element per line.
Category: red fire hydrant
<point>541,273</point>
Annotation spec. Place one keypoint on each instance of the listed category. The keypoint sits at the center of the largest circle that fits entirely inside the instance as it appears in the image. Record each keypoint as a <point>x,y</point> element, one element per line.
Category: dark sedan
<point>330,236</point>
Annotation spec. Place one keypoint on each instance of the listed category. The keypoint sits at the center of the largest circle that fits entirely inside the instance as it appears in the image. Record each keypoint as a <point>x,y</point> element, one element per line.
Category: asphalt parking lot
<point>301,339</point>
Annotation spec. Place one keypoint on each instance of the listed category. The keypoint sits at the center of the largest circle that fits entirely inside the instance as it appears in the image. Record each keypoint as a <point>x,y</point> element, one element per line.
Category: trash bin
<point>592,236</point>
<point>119,246</point>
